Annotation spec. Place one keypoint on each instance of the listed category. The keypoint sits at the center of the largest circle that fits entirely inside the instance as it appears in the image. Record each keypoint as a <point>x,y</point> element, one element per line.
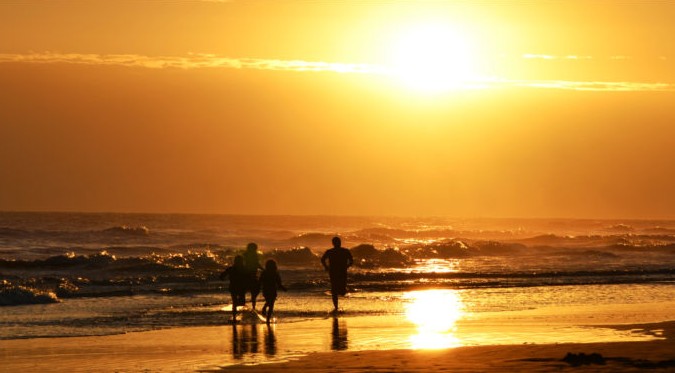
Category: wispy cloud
<point>191,61</point>
<point>591,86</point>
<point>539,56</point>
<point>201,60</point>
<point>550,57</point>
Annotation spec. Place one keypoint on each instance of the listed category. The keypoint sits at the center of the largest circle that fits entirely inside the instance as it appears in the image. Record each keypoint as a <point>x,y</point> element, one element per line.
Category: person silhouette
<point>270,281</point>
<point>336,261</point>
<point>251,265</point>
<point>237,287</point>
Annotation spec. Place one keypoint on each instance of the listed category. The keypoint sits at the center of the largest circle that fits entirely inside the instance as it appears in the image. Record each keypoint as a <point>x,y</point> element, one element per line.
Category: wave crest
<point>13,295</point>
<point>125,230</point>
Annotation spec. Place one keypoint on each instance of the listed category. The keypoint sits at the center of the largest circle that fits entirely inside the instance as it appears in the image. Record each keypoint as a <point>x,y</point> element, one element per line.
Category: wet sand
<point>366,347</point>
<point>613,357</point>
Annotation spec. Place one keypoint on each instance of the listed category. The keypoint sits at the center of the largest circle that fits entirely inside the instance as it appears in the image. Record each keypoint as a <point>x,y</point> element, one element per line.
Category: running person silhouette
<point>270,281</point>
<point>336,261</point>
<point>237,276</point>
<point>251,266</point>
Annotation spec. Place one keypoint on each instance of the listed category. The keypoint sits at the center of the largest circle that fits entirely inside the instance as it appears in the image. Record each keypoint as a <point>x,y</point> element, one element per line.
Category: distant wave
<point>208,257</point>
<point>636,240</point>
<point>367,256</point>
<point>13,233</point>
<point>660,230</point>
<point>483,264</point>
<point>116,234</point>
<point>105,260</point>
<point>293,257</point>
<point>13,295</point>
<point>395,233</point>
<point>311,239</point>
<point>126,230</point>
<point>620,228</point>
<point>414,275</point>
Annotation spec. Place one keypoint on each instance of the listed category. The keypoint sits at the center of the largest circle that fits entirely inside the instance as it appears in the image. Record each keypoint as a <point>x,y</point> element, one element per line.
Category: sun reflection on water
<point>435,313</point>
<point>437,265</point>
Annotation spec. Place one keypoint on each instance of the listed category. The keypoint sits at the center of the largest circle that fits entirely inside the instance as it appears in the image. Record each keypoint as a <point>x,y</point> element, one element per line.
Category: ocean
<point>93,274</point>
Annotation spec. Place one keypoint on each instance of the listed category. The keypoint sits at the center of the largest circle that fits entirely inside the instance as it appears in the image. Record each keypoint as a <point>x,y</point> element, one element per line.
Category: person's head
<point>271,265</point>
<point>337,242</point>
<point>238,261</point>
<point>252,247</point>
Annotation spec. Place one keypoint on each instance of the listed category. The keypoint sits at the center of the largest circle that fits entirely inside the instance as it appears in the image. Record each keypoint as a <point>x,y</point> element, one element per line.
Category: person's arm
<point>324,258</point>
<point>279,283</point>
<point>225,273</point>
<point>350,258</point>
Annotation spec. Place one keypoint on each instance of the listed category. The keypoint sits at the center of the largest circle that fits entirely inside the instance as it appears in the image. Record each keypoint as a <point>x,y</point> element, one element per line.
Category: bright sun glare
<point>432,57</point>
<point>435,313</point>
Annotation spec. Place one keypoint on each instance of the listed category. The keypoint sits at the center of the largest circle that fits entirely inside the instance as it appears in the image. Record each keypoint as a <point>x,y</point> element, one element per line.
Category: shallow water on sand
<point>259,343</point>
<point>118,315</point>
<point>424,319</point>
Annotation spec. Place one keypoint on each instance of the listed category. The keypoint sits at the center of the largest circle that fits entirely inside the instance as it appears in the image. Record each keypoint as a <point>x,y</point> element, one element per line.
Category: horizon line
<point>2,211</point>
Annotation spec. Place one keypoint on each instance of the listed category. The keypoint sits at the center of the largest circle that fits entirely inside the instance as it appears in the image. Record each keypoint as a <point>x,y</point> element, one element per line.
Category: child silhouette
<point>270,281</point>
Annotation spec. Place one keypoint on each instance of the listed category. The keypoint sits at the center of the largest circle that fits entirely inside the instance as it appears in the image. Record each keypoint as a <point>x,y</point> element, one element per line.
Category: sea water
<point>76,274</point>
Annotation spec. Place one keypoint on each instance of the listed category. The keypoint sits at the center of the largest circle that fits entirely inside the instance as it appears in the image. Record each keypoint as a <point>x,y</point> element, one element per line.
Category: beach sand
<point>225,348</point>
<point>615,357</point>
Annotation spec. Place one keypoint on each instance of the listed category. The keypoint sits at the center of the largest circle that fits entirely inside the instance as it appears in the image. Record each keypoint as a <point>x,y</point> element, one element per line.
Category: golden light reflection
<point>435,313</point>
<point>437,265</point>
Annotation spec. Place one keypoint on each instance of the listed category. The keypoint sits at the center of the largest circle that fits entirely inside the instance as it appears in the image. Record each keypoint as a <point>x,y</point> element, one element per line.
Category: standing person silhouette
<point>336,261</point>
<point>237,276</point>
<point>251,265</point>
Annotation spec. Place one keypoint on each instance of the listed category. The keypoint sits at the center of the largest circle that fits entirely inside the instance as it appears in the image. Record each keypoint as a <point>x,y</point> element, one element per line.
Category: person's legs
<point>254,288</point>
<point>338,283</point>
<point>254,295</point>
<point>241,298</point>
<point>270,310</point>
<point>235,300</point>
<point>264,309</point>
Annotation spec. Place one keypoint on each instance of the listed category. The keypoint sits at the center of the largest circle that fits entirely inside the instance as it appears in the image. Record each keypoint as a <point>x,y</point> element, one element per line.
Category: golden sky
<point>457,108</point>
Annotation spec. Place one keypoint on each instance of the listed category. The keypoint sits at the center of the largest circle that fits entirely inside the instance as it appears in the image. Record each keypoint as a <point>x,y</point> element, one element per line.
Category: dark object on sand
<point>576,360</point>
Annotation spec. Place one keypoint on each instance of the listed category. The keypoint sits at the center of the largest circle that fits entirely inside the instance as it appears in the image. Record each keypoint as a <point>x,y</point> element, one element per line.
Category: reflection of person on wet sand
<point>270,281</point>
<point>339,340</point>
<point>237,275</point>
<point>336,261</point>
<point>244,340</point>
<point>270,342</point>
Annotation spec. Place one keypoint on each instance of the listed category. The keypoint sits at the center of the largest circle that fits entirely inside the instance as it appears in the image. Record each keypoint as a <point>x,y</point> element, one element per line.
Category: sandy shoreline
<point>615,357</point>
<point>210,349</point>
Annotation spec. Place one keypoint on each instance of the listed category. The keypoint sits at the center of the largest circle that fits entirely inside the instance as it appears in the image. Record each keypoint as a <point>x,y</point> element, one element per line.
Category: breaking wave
<point>13,295</point>
<point>450,263</point>
<point>126,230</point>
<point>45,257</point>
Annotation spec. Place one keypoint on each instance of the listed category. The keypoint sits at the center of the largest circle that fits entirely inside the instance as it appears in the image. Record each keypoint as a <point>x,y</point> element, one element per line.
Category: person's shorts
<point>338,283</point>
<point>253,285</point>
<point>270,296</point>
<point>238,297</point>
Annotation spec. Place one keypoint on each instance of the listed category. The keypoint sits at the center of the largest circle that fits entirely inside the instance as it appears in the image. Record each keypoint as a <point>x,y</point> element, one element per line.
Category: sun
<point>432,57</point>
